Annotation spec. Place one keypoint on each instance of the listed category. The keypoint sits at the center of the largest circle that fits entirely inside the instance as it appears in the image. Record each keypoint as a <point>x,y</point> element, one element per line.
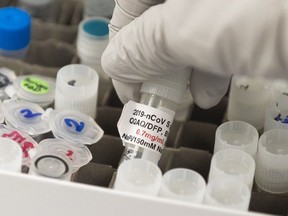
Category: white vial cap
<point>24,141</point>
<point>92,38</point>
<point>74,126</point>
<point>10,155</point>
<point>172,86</point>
<point>77,88</point>
<point>233,164</point>
<point>78,155</point>
<point>25,116</point>
<point>228,193</point>
<point>138,176</point>
<point>272,167</point>
<point>51,165</point>
<point>183,184</point>
<point>237,135</point>
<point>248,99</point>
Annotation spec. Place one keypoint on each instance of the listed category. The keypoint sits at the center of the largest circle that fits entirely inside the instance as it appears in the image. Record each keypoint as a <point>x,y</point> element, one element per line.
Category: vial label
<point>144,126</point>
<point>35,85</point>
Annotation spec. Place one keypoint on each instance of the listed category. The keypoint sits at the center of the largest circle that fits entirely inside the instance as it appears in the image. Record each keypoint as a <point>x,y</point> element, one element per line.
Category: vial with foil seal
<point>144,126</point>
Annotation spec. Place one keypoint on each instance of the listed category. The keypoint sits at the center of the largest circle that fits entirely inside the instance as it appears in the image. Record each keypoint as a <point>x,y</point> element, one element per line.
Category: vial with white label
<point>144,126</point>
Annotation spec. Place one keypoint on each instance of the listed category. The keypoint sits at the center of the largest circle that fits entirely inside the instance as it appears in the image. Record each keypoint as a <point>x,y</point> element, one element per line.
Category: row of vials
<point>27,119</point>
<point>239,153</point>
<point>231,177</point>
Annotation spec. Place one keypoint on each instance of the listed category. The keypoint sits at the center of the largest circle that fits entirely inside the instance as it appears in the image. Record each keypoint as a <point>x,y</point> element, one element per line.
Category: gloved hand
<point>215,38</point>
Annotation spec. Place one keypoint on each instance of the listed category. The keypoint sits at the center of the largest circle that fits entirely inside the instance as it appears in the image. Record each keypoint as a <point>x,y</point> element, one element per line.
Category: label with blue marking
<point>74,125</point>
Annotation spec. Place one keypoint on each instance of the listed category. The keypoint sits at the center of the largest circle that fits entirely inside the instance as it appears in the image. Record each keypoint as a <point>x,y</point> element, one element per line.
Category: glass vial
<point>161,95</point>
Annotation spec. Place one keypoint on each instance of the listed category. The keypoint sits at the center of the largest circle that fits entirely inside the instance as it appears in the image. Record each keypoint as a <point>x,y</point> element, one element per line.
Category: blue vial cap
<point>96,27</point>
<point>14,28</point>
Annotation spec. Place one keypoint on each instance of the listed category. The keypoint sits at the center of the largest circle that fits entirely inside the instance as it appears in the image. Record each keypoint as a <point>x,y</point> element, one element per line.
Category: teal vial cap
<point>96,26</point>
<point>15,25</point>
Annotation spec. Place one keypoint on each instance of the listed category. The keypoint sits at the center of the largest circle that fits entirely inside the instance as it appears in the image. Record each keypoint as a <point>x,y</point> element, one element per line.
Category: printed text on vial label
<point>145,126</point>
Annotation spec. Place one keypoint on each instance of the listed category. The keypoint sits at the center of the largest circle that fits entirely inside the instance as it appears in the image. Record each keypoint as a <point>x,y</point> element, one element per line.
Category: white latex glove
<point>216,38</point>
<point>126,11</point>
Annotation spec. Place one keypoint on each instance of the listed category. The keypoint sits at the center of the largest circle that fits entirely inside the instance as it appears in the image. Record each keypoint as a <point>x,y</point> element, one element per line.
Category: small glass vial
<point>15,25</point>
<point>144,126</point>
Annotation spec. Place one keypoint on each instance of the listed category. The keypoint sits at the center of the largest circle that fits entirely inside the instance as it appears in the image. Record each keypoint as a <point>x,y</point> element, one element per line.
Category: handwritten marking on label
<point>29,114</point>
<point>279,118</point>
<point>35,85</point>
<point>79,126</point>
<point>25,145</point>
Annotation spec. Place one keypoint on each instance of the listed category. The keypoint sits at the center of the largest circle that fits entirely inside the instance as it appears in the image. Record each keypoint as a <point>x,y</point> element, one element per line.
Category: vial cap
<point>24,141</point>
<point>93,37</point>
<point>51,165</point>
<point>234,164</point>
<point>172,86</point>
<point>78,155</point>
<point>77,88</point>
<point>25,116</point>
<point>10,155</point>
<point>14,28</point>
<point>272,167</point>
<point>35,88</point>
<point>183,184</point>
<point>237,135</point>
<point>228,193</point>
<point>138,176</point>
<point>74,126</point>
